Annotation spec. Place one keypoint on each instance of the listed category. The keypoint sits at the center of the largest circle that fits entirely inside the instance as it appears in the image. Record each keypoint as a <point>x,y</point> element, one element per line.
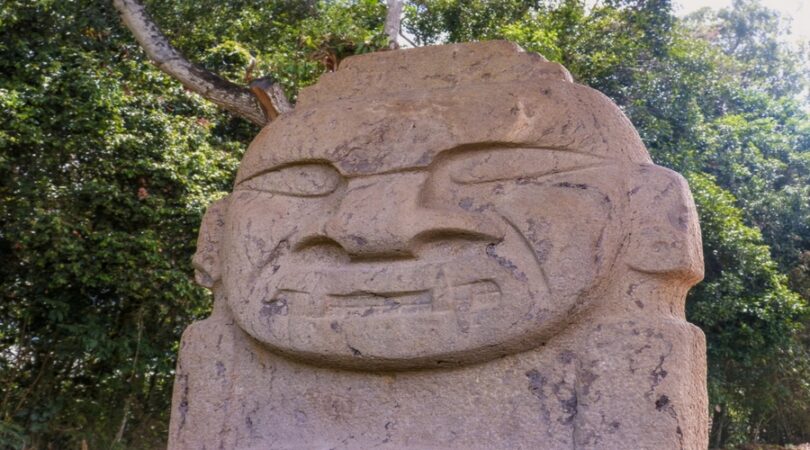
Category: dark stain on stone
<point>183,408</point>
<point>506,264</point>
<point>640,304</point>
<point>586,379</point>
<point>661,403</point>
<point>666,190</point>
<point>364,165</point>
<point>391,304</point>
<point>569,402</point>
<point>335,327</point>
<point>249,423</point>
<point>355,352</point>
<point>566,184</point>
<point>536,382</point>
<point>678,218</point>
<point>220,368</point>
<point>466,203</point>
<point>536,234</point>
<point>598,257</point>
<point>643,347</point>
<point>279,249</point>
<point>566,357</point>
<point>658,373</point>
<point>359,240</point>
<point>267,257</point>
<point>277,307</point>
<point>426,156</point>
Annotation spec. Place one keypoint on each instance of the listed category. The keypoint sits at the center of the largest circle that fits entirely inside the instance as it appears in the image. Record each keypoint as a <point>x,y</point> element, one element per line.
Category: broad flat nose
<point>382,215</point>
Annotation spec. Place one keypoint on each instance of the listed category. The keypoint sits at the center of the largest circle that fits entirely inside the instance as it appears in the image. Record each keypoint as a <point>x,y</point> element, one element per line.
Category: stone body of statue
<point>447,247</point>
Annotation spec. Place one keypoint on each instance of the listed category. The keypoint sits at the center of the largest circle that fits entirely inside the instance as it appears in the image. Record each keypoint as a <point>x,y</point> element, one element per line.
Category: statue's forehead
<point>367,136</point>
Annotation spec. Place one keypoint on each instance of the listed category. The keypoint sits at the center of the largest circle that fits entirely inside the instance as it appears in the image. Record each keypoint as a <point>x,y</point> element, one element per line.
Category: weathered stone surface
<point>447,247</point>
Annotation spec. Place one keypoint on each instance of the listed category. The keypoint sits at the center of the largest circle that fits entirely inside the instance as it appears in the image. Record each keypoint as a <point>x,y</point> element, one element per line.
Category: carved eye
<point>299,180</point>
<point>518,163</point>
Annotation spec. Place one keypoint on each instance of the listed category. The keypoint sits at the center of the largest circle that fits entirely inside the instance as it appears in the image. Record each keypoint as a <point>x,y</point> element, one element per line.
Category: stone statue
<point>447,247</point>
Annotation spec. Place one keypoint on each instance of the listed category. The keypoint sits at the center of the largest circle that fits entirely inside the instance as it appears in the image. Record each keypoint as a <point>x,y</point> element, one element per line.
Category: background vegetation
<point>106,166</point>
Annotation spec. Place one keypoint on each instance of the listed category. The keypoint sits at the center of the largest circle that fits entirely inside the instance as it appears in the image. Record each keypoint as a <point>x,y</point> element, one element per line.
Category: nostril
<point>382,257</point>
<point>435,235</point>
<point>313,240</point>
<point>428,223</point>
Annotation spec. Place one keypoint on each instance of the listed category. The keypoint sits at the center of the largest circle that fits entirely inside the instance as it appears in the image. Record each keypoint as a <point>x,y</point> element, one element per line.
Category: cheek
<point>563,227</point>
<point>565,230</point>
<point>258,232</point>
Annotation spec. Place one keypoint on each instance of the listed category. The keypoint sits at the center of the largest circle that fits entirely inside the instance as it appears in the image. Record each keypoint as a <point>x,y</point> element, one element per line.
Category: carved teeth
<point>479,294</point>
<point>344,292</point>
<point>367,303</point>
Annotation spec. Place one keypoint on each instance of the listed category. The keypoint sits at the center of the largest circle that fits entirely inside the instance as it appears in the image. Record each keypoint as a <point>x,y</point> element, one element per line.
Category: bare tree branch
<point>408,40</point>
<point>232,97</point>
<point>271,97</point>
<point>392,22</point>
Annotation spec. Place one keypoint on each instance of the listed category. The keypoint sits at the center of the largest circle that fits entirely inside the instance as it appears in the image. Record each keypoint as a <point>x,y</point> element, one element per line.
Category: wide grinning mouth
<point>370,290</point>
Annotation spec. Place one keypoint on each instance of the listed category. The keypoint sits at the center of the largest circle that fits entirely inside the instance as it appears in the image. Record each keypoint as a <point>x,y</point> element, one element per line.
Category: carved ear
<point>665,234</point>
<point>206,261</point>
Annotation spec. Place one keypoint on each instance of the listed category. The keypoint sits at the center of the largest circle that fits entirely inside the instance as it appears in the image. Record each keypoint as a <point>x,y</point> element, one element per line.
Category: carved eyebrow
<point>519,162</point>
<point>274,168</point>
<point>298,180</point>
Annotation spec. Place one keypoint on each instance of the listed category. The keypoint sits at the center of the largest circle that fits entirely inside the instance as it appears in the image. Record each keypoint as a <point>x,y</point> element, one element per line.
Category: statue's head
<point>441,205</point>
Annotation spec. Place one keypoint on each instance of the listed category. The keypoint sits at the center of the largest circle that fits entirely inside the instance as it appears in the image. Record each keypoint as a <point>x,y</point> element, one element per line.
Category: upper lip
<point>405,235</point>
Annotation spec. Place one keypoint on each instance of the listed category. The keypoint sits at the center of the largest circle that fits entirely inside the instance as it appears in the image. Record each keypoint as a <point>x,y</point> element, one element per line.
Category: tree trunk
<point>393,21</point>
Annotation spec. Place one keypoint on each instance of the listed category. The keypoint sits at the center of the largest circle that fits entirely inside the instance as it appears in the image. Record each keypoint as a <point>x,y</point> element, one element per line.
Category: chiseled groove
<point>534,254</point>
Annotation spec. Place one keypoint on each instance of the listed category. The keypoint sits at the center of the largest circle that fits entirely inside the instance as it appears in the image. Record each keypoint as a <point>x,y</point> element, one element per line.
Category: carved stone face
<point>419,228</point>
<point>466,250</point>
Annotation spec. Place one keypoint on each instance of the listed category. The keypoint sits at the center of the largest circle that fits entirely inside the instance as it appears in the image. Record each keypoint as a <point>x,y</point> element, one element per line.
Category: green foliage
<point>106,166</point>
<point>12,437</point>
<point>338,31</point>
<point>294,41</point>
<point>750,318</point>
<point>230,60</point>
